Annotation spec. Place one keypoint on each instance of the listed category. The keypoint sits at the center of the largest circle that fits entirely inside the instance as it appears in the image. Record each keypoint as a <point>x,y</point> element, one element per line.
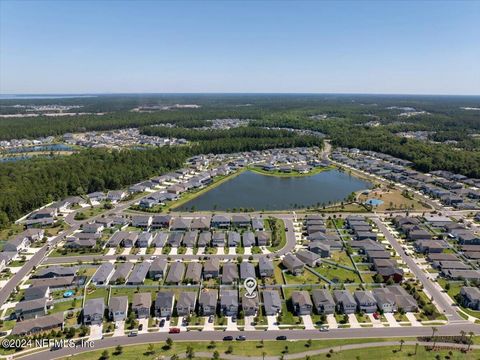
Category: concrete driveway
<point>165,327</point>
<point>375,322</point>
<point>208,326</point>
<point>144,323</point>
<point>248,323</point>
<point>413,320</point>
<point>231,326</point>
<point>96,332</point>
<point>272,322</point>
<point>332,322</point>
<point>307,322</point>
<point>119,328</point>
<point>391,320</point>
<point>352,319</point>
<point>248,251</point>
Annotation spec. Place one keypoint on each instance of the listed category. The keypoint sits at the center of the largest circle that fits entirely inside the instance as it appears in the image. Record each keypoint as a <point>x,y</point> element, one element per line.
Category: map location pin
<point>250,285</point>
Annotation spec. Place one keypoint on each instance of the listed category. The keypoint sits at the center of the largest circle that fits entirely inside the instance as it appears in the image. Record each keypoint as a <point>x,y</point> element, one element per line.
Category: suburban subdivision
<point>318,245</point>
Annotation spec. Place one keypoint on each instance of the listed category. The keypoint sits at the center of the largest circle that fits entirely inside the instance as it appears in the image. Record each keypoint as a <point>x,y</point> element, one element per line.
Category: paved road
<point>15,280</point>
<point>192,336</point>
<point>441,300</point>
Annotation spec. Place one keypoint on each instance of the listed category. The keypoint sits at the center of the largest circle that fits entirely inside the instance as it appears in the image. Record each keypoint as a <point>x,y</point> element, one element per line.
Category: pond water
<point>36,148</point>
<point>263,192</point>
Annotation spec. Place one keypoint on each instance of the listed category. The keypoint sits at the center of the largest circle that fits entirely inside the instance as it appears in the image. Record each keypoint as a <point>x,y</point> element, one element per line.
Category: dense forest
<point>29,184</point>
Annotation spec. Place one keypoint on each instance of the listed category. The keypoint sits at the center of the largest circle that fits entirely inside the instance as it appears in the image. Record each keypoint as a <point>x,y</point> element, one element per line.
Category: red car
<point>376,315</point>
<point>174,330</point>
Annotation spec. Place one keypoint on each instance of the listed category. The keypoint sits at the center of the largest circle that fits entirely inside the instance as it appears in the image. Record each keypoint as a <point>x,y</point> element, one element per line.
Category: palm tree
<point>463,333</point>
<point>401,343</point>
<point>434,330</point>
<point>470,334</point>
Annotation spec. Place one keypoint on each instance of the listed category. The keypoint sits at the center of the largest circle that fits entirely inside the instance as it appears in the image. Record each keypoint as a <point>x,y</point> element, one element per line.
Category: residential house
<point>250,305</point>
<point>38,325</point>
<point>218,239</point>
<point>186,303</point>
<point>240,220</point>
<point>229,273</point>
<point>470,297</point>
<point>144,239</point>
<point>265,267</point>
<point>103,274</point>
<point>386,300</point>
<point>211,268</point>
<point>138,274</point>
<point>36,292</point>
<point>180,224</point>
<point>365,301</point>
<point>229,302</point>
<point>263,238</point>
<point>247,270</point>
<point>220,221</point>
<point>190,238</point>
<point>158,269</point>
<point>320,248</point>
<point>323,301</point>
<point>175,274</point>
<point>204,239</point>
<point>308,258</point>
<point>208,302</point>
<point>121,273</point>
<point>301,302</point>
<point>93,311</point>
<point>194,273</point>
<point>344,301</point>
<point>118,307</point>
<point>248,239</point>
<point>31,309</point>
<point>141,305</point>
<point>293,264</point>
<point>272,302</point>
<point>164,304</point>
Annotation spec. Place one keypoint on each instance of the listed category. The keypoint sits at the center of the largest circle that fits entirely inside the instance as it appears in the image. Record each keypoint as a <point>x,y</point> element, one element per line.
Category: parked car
<point>241,338</point>
<point>174,330</point>
<point>376,315</point>
<point>227,338</point>
<point>132,333</point>
<point>281,337</point>
<point>210,319</point>
<point>162,323</point>
<point>140,327</point>
<point>324,328</point>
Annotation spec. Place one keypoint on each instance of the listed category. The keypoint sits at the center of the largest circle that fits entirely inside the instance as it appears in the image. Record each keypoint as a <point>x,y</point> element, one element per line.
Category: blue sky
<point>251,46</point>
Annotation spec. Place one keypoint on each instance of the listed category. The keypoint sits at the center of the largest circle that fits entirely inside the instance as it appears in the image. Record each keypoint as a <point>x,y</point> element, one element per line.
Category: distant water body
<point>27,97</point>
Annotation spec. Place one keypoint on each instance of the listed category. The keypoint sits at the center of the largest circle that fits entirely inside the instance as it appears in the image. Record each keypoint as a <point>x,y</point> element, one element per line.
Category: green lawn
<point>275,348</point>
<point>306,278</point>
<point>337,274</point>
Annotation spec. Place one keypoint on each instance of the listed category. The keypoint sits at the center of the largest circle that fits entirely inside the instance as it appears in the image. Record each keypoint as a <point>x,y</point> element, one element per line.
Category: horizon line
<point>228,93</point>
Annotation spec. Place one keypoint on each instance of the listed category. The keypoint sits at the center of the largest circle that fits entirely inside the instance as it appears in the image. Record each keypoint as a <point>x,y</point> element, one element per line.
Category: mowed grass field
<point>278,348</point>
